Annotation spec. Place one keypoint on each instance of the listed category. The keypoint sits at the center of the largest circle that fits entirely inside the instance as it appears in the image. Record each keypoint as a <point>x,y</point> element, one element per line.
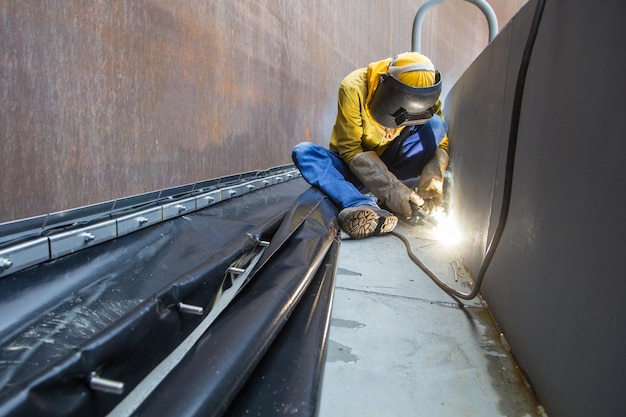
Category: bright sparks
<point>447,230</point>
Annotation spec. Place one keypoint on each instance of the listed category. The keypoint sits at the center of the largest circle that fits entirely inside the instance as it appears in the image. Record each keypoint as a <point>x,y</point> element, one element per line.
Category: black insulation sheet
<point>287,381</point>
<point>110,308</point>
<point>207,381</point>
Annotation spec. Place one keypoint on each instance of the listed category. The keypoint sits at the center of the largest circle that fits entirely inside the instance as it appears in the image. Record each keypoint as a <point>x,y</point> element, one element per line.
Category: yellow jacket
<point>355,130</point>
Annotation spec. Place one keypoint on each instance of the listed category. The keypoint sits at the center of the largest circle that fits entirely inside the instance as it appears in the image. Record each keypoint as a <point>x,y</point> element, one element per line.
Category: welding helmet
<point>395,104</point>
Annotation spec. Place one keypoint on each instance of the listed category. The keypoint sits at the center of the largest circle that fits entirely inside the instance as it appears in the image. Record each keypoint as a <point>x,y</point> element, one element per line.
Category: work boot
<point>363,221</point>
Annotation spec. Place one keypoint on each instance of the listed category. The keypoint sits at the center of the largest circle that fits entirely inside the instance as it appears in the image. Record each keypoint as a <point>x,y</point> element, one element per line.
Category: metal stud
<point>98,383</point>
<point>235,270</point>
<point>89,237</point>
<point>189,309</point>
<point>5,264</point>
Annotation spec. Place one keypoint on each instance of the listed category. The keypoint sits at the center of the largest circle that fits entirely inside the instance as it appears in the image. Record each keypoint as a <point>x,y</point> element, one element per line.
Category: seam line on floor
<point>448,304</point>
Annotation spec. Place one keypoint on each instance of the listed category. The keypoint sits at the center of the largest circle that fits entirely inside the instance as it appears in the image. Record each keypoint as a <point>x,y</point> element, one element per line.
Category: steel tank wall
<point>555,285</point>
<point>102,100</point>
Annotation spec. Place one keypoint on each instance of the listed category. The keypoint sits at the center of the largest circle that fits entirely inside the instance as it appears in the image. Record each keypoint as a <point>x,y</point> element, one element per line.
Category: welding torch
<point>419,214</point>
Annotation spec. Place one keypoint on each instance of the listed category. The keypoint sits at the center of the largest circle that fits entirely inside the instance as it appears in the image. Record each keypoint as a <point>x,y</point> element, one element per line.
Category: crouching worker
<point>389,137</point>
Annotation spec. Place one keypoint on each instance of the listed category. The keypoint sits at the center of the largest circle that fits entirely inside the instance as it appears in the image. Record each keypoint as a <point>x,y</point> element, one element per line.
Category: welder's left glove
<point>430,184</point>
<point>392,193</point>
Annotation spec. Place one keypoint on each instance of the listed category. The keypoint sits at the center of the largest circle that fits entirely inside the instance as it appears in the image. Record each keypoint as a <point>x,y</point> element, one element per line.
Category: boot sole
<point>361,222</point>
<point>386,224</point>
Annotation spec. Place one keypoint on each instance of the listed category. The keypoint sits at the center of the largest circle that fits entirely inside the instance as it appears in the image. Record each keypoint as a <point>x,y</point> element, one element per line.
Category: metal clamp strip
<point>41,249</point>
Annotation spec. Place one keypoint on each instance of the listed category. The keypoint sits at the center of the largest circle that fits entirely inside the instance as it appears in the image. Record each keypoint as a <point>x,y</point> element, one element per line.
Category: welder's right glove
<point>430,184</point>
<point>373,172</point>
<point>430,188</point>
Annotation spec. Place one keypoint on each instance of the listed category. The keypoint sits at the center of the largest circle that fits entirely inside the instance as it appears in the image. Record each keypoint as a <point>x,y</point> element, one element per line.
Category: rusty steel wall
<point>106,99</point>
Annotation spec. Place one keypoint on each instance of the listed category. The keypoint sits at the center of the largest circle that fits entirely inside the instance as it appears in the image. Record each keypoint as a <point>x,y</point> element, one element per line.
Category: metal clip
<point>189,309</point>
<point>89,237</point>
<point>250,187</point>
<point>142,220</point>
<point>5,264</point>
<point>98,383</point>
<point>180,208</point>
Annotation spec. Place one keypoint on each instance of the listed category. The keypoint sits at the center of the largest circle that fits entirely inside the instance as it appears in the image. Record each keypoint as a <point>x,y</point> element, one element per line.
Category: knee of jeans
<point>297,151</point>
<point>301,149</point>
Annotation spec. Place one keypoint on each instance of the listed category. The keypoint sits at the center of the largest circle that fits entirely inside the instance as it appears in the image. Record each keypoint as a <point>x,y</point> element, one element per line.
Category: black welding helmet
<point>395,104</point>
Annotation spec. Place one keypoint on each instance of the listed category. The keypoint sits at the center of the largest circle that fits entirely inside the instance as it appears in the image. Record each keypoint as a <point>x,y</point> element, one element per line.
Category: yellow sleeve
<point>444,142</point>
<point>348,129</point>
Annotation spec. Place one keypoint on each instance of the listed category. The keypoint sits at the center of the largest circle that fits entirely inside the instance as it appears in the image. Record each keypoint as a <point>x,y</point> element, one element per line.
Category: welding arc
<point>508,176</point>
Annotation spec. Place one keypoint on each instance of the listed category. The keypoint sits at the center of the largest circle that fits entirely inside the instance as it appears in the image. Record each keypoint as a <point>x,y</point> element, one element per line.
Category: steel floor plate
<point>400,346</point>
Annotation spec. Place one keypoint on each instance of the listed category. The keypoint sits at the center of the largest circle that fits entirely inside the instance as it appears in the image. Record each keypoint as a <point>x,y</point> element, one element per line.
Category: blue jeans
<point>405,157</point>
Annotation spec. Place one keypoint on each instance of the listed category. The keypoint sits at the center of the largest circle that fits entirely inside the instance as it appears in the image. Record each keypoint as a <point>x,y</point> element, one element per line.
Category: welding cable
<point>508,176</point>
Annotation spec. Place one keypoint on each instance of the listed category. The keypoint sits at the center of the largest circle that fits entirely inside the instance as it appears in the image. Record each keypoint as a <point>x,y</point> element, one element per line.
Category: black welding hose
<point>508,175</point>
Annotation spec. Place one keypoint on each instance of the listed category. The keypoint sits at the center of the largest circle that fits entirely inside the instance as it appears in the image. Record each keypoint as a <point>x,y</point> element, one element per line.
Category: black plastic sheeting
<point>287,380</point>
<point>206,382</point>
<point>111,309</point>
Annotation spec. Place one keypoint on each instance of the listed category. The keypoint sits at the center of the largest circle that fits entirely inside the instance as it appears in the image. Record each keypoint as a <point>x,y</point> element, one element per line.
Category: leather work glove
<point>430,184</point>
<point>399,198</point>
<point>373,172</point>
<point>430,189</point>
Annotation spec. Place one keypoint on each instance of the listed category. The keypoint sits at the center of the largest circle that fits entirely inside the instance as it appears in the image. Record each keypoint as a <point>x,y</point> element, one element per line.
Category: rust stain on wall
<point>106,99</point>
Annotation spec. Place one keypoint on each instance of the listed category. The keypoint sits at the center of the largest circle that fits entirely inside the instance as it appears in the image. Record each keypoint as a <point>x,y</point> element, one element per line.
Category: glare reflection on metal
<point>235,270</point>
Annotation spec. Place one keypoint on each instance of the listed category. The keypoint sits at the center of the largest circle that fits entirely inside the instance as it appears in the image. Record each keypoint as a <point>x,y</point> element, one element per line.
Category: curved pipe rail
<point>421,13</point>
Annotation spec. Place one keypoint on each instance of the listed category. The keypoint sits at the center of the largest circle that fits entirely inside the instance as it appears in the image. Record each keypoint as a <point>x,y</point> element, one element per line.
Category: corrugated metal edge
<point>37,245</point>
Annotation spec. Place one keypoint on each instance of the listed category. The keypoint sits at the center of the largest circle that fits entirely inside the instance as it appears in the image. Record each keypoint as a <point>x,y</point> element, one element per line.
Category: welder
<point>389,140</point>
